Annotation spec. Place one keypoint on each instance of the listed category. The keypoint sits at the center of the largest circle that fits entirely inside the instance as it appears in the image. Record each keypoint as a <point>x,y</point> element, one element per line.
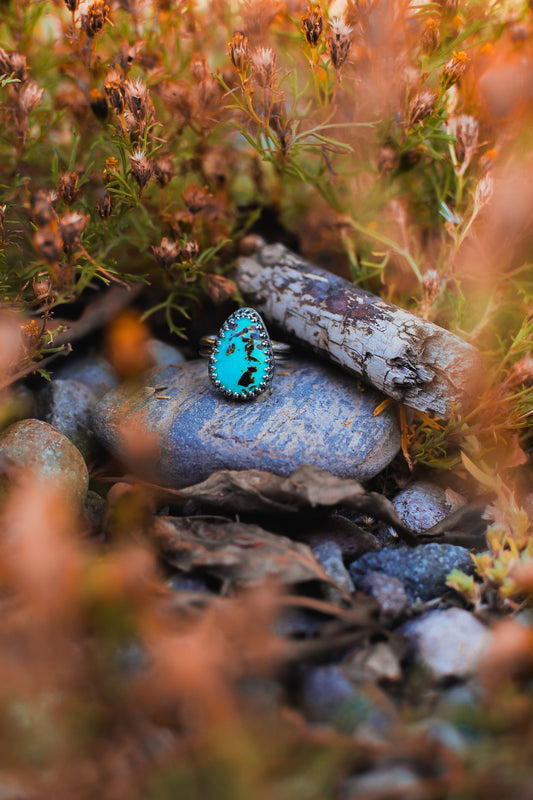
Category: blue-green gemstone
<point>241,362</point>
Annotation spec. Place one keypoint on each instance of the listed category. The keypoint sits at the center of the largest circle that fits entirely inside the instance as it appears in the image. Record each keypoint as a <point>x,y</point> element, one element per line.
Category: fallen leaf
<point>239,554</point>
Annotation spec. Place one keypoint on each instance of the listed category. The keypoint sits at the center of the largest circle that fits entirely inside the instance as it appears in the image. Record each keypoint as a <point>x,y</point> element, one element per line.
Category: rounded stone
<point>422,570</point>
<point>423,504</point>
<point>448,642</point>
<point>38,446</point>
<point>67,406</point>
<point>92,370</point>
<point>313,414</point>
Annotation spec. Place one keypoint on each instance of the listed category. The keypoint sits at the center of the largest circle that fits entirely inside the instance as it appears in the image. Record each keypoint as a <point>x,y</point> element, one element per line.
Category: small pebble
<point>423,504</point>
<point>353,540</point>
<point>388,591</point>
<point>374,662</point>
<point>95,508</point>
<point>384,783</point>
<point>448,642</point>
<point>423,570</point>
<point>330,697</point>
<point>330,556</point>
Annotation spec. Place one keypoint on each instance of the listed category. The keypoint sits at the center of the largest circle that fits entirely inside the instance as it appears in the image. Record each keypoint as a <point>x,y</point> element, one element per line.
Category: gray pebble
<point>423,570</point>
<point>353,540</point>
<point>448,642</point>
<point>190,583</point>
<point>388,591</point>
<point>330,556</point>
<point>314,414</point>
<point>423,504</point>
<point>39,447</point>
<point>68,405</point>
<point>95,507</point>
<point>395,781</point>
<point>328,696</point>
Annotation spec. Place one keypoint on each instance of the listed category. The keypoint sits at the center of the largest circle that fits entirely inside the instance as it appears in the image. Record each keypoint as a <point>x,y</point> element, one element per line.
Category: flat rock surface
<point>35,445</point>
<point>314,414</point>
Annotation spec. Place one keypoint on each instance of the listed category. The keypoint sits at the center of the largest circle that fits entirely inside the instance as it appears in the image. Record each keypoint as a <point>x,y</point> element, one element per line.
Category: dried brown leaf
<point>307,489</point>
<point>239,554</point>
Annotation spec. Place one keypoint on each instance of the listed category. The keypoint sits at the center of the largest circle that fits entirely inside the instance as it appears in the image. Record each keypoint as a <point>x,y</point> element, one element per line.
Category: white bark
<point>410,359</point>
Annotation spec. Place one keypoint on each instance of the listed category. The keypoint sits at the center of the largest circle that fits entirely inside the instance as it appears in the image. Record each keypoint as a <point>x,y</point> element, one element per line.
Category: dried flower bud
<point>137,98</point>
<point>163,170</point>
<point>454,69</point>
<point>466,131</point>
<point>99,104</point>
<point>312,23</point>
<point>190,249</point>
<point>42,209</point>
<point>71,226</point>
<point>18,66</point>
<point>167,253</point>
<point>339,42</point>
<point>29,97</point>
<point>42,287</point>
<point>13,64</point>
<point>141,168</point>
<point>264,66</point>
<point>110,169</point>
<point>94,20</point>
<point>199,67</point>
<point>430,37</point>
<point>49,244</point>
<point>116,93</point>
<point>72,5</point>
<point>67,186</point>
<point>387,159</point>
<point>238,51</point>
<point>219,288</point>
<point>5,62</point>
<point>484,191</point>
<point>431,284</point>
<point>422,106</point>
<point>196,199</point>
<point>104,206</point>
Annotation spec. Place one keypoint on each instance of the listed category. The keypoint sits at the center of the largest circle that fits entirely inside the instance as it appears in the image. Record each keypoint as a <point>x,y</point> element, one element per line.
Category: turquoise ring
<point>241,357</point>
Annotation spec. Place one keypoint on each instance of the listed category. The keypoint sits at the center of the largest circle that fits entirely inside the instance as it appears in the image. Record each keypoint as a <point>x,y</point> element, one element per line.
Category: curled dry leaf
<point>307,489</point>
<point>237,553</point>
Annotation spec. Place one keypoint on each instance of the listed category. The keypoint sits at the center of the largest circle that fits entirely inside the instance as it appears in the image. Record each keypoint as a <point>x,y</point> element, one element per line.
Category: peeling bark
<point>410,359</point>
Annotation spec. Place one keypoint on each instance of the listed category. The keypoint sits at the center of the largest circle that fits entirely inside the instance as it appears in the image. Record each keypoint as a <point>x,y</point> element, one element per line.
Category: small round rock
<point>37,446</point>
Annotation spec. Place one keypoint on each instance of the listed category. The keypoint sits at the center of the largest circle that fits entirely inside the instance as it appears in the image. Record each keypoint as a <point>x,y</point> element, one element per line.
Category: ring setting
<point>241,357</point>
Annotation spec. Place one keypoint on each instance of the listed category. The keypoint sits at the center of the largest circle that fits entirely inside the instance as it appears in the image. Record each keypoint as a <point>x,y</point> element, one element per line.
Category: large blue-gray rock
<point>314,414</point>
<point>422,570</point>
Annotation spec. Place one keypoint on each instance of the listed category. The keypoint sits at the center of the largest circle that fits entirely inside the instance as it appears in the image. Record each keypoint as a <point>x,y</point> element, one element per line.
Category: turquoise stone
<point>241,364</point>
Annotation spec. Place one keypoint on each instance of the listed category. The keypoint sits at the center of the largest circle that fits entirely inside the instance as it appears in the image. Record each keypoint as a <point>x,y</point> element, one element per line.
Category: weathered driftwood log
<point>410,359</point>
